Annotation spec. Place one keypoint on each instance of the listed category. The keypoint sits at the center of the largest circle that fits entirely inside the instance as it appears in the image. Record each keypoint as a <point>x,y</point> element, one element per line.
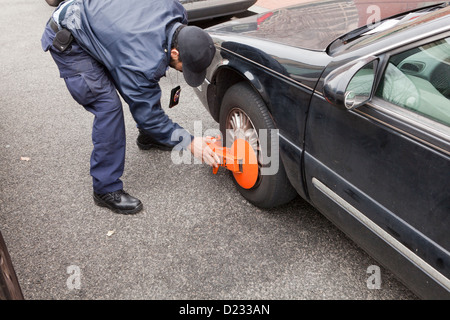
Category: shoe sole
<point>152,146</point>
<point>101,203</point>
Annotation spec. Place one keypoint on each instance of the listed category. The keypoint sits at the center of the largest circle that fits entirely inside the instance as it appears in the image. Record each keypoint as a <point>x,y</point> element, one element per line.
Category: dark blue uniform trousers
<point>91,86</point>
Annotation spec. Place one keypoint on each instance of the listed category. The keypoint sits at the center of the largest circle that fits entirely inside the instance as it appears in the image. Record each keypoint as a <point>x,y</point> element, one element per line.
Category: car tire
<point>241,104</point>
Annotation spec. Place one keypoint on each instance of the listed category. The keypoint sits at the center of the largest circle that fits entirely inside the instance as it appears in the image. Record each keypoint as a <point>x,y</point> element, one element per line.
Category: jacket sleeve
<point>143,97</point>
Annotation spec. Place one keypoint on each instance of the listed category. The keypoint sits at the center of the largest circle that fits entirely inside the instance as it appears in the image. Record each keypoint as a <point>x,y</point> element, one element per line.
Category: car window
<point>418,80</point>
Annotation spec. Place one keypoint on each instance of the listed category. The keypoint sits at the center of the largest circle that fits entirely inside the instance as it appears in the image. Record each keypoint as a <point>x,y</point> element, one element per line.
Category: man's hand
<point>202,151</point>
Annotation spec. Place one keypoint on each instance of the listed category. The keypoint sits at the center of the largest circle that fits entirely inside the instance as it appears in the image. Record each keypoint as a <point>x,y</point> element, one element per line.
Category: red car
<point>375,10</point>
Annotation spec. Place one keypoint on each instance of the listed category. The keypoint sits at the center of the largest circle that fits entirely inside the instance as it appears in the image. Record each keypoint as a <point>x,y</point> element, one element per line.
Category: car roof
<point>315,25</point>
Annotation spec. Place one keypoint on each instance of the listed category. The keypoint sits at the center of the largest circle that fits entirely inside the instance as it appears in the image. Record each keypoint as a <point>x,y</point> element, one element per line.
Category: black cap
<point>196,52</point>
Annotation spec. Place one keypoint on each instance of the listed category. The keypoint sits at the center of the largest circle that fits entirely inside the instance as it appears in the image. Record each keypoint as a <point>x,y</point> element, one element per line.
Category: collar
<point>170,31</point>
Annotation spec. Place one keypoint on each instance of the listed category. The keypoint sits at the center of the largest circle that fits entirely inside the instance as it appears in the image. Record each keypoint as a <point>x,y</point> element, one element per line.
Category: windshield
<point>386,26</point>
<point>314,25</point>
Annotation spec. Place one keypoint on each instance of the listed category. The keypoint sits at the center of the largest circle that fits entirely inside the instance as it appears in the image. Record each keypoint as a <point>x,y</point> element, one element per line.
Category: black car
<point>203,9</point>
<point>355,118</point>
<point>9,285</point>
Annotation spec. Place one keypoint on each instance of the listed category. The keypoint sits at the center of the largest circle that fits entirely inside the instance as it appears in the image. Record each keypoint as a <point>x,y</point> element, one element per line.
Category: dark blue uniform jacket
<point>132,39</point>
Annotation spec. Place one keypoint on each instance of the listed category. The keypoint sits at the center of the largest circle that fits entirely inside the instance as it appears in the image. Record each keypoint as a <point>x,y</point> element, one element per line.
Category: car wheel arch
<point>223,79</point>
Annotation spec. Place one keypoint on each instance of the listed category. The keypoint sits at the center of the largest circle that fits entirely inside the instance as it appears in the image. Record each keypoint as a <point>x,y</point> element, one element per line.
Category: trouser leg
<point>90,85</point>
<point>108,137</point>
<point>95,91</point>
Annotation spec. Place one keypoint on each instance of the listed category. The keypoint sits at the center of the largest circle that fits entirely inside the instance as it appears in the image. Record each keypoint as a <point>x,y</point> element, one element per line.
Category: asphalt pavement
<point>196,238</point>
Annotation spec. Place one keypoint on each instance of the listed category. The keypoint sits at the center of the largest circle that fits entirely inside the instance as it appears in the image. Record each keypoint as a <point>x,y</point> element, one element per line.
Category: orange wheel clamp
<point>240,159</point>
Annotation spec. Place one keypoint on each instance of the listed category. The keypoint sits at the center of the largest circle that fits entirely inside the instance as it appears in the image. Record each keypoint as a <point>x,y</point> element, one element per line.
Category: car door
<point>381,172</point>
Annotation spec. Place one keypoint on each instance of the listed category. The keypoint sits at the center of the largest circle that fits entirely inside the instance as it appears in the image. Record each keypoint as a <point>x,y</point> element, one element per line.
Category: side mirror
<point>351,85</point>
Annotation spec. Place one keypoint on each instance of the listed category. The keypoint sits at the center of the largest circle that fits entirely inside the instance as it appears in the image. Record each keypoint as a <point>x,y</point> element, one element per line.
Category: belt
<point>53,25</point>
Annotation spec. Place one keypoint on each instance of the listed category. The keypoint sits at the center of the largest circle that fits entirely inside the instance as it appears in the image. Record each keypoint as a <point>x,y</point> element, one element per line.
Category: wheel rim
<point>240,126</point>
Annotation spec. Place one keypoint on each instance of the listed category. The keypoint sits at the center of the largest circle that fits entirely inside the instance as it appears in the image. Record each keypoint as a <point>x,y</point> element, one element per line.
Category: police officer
<point>105,47</point>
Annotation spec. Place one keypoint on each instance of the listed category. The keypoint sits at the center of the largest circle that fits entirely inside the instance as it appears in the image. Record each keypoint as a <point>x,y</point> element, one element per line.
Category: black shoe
<point>119,202</point>
<point>146,142</point>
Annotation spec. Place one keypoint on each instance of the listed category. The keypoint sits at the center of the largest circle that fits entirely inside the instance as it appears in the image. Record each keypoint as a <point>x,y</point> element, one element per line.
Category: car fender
<point>225,74</point>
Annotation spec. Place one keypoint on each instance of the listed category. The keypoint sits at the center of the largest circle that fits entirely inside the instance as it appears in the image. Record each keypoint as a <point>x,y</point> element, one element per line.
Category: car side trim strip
<point>397,245</point>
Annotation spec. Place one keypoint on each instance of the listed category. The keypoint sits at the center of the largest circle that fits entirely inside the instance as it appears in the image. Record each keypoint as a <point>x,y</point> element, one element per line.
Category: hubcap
<point>240,126</point>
